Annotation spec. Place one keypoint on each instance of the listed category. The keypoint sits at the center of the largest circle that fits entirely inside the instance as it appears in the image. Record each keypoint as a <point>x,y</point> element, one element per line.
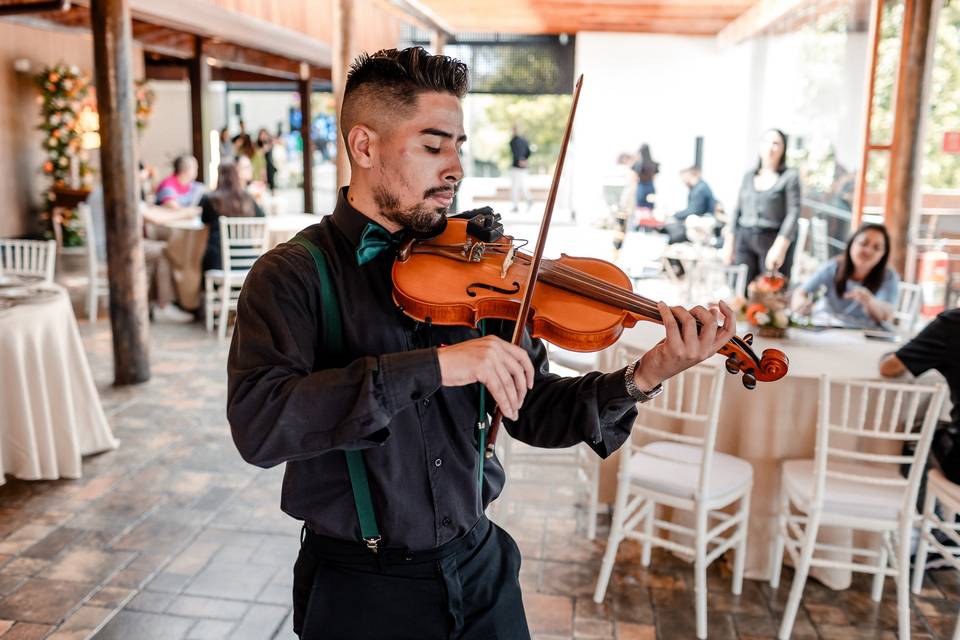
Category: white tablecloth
<point>50,412</point>
<point>774,422</point>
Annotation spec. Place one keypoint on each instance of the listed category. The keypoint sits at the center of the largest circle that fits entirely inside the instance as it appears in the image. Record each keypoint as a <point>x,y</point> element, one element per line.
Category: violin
<point>578,304</point>
<point>470,270</point>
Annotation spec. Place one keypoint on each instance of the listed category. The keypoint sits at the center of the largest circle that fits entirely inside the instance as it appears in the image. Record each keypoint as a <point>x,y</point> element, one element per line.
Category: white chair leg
<point>92,302</point>
<point>776,550</point>
<point>740,557</point>
<point>613,540</point>
<point>800,577</point>
<point>876,593</point>
<point>920,561</point>
<point>209,299</point>
<point>645,554</point>
<point>224,308</point>
<point>594,498</point>
<point>700,572</point>
<point>903,582</point>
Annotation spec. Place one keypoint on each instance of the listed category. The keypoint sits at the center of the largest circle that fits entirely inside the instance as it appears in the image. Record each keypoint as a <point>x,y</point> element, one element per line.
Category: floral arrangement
<point>145,97</point>
<point>64,96</point>
<point>767,306</point>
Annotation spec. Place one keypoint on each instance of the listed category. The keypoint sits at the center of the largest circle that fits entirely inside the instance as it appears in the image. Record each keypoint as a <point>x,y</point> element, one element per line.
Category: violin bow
<point>538,254</point>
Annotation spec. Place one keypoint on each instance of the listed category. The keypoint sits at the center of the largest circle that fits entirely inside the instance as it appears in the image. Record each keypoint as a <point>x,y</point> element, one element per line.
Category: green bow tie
<point>374,240</point>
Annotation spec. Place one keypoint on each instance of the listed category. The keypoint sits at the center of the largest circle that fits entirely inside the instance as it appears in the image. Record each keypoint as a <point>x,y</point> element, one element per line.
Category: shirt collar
<point>350,221</point>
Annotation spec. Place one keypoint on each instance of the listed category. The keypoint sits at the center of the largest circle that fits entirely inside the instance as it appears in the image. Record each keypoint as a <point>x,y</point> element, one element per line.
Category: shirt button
<point>426,402</point>
<point>437,462</point>
<point>445,522</point>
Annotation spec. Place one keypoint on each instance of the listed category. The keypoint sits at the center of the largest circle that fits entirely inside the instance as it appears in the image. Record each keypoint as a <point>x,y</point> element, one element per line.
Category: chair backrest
<point>28,257</point>
<point>90,233</point>
<point>242,241</point>
<point>691,397</point>
<point>715,281</point>
<point>907,308</point>
<point>819,241</point>
<point>860,421</point>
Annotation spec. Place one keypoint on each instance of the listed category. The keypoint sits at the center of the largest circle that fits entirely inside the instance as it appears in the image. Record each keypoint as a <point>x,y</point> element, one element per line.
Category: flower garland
<point>63,93</point>
<point>145,97</point>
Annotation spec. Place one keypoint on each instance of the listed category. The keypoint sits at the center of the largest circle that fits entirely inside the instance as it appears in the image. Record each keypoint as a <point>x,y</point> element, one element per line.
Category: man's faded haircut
<point>387,83</point>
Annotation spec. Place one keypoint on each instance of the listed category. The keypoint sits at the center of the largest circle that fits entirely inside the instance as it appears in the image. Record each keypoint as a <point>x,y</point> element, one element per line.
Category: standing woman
<point>764,224</point>
<point>646,169</point>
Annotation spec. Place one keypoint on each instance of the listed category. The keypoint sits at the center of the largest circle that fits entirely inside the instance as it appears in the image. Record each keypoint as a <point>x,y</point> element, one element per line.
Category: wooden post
<point>342,57</point>
<point>113,62</point>
<point>905,155</point>
<point>305,121</point>
<point>860,187</point>
<point>438,40</point>
<point>199,72</point>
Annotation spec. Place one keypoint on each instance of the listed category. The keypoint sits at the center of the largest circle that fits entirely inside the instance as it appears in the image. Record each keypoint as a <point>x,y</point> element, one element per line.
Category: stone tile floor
<point>173,536</point>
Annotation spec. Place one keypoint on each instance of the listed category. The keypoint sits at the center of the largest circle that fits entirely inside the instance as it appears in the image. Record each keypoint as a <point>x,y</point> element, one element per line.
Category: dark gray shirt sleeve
<point>281,404</point>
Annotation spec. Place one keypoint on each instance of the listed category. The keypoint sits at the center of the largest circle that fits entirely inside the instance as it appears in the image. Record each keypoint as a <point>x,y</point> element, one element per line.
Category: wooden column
<point>906,152</point>
<point>306,113</point>
<point>343,47</point>
<point>199,73</point>
<point>438,40</point>
<point>113,62</point>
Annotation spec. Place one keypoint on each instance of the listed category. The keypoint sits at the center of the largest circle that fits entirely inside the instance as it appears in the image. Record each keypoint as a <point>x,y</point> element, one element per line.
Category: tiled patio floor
<point>173,536</point>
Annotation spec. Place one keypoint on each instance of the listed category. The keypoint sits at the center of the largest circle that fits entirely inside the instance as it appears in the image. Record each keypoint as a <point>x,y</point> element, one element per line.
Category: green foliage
<point>541,120</point>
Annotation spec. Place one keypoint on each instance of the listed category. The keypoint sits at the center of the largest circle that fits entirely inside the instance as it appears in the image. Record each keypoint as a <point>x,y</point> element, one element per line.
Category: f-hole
<point>490,287</point>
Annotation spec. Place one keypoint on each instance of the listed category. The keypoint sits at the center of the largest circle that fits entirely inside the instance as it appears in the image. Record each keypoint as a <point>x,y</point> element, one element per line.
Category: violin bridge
<point>507,262</point>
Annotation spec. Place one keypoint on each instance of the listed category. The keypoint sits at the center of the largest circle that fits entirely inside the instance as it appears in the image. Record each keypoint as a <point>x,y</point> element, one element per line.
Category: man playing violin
<point>376,416</point>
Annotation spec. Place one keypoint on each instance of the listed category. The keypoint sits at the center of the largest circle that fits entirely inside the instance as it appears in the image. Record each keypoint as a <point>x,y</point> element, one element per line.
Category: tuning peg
<point>733,365</point>
<point>749,381</point>
<point>748,338</point>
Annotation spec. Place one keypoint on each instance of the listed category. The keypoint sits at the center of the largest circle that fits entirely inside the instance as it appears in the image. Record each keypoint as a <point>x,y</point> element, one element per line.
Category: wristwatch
<point>636,393</point>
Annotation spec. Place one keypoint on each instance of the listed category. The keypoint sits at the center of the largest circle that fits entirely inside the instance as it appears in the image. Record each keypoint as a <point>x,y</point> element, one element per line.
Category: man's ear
<point>362,142</point>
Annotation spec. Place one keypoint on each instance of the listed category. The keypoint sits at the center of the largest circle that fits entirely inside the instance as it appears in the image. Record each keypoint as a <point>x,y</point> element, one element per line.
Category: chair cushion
<point>674,468</point>
<point>846,497</point>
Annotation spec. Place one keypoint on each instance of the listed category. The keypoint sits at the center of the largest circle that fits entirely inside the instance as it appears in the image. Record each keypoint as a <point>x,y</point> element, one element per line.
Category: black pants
<point>751,247</point>
<point>467,589</point>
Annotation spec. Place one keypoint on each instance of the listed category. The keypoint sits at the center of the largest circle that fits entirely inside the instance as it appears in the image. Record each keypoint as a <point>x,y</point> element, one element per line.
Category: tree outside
<point>541,120</point>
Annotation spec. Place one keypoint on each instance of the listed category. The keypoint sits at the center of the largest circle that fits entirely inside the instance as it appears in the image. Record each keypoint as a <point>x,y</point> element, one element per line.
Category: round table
<point>775,422</point>
<point>51,409</point>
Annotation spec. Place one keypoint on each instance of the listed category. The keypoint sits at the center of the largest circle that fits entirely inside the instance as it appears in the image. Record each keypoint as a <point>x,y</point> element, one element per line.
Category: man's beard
<point>420,217</point>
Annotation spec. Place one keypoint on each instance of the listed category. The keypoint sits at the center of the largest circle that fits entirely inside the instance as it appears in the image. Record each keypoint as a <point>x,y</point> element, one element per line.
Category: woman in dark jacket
<point>228,199</point>
<point>763,225</point>
<point>646,169</point>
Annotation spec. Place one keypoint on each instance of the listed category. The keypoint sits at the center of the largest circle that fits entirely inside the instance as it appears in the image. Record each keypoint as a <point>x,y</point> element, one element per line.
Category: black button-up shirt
<point>289,402</point>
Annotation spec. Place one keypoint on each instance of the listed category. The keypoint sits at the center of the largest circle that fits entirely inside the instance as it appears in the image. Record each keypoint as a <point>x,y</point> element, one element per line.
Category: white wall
<point>665,91</point>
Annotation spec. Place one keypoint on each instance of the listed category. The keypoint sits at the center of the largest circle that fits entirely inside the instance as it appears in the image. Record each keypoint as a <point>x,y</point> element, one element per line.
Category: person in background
<point>228,199</point>
<point>245,147</point>
<point>265,147</point>
<point>700,202</point>
<point>226,145</point>
<point>181,189</point>
<point>860,290</point>
<point>763,225</point>
<point>242,134</point>
<point>520,157</point>
<point>646,169</point>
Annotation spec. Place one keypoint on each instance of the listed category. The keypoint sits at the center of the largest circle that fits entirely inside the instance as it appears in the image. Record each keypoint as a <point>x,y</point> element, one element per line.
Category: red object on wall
<point>934,266</point>
<point>951,142</point>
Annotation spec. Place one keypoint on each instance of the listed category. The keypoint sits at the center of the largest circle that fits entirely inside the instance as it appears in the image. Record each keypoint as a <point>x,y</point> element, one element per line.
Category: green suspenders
<point>333,341</point>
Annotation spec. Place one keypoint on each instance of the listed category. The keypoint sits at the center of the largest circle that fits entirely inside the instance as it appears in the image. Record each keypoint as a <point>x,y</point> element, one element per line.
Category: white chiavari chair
<point>940,509</point>
<point>682,472</point>
<point>242,241</point>
<point>28,257</point>
<point>907,309</point>
<point>854,482</point>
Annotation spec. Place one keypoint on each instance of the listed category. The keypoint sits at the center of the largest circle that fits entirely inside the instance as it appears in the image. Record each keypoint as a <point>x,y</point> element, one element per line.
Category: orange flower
<point>48,166</point>
<point>752,311</point>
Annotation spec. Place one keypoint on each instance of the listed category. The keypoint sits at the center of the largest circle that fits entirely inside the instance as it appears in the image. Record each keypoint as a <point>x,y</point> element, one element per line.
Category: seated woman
<point>228,199</point>
<point>860,290</point>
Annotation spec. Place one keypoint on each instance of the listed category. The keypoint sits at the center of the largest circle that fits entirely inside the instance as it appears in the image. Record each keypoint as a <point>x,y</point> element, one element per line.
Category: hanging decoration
<point>145,97</point>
